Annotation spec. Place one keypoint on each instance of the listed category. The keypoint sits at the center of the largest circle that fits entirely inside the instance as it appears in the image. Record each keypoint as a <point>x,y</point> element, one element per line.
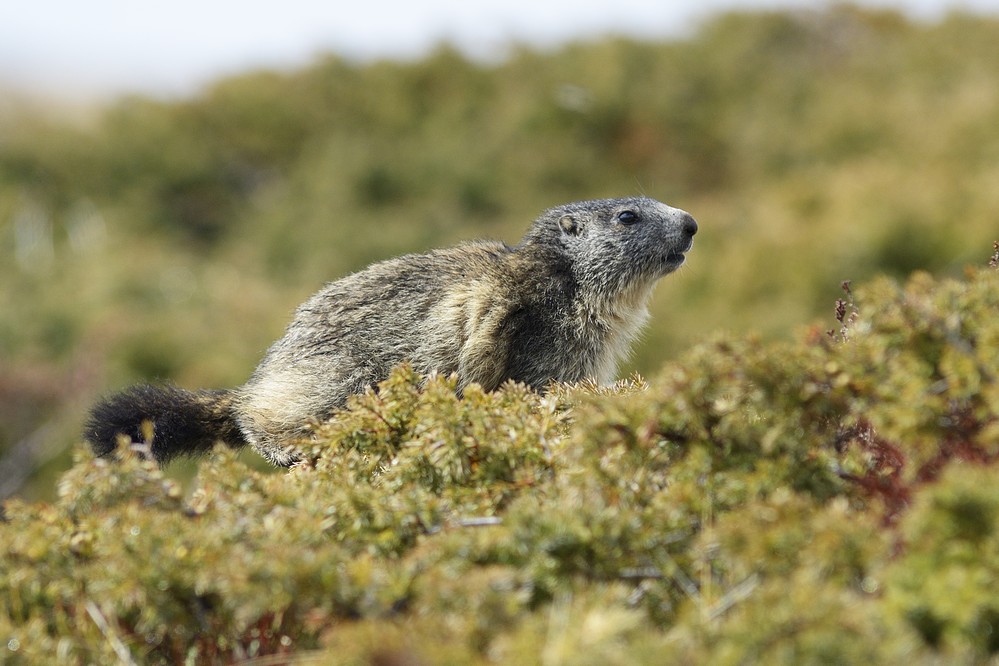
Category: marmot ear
<point>569,225</point>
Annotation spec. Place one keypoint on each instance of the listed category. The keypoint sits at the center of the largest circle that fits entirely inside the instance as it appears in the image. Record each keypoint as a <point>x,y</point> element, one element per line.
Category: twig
<point>119,648</point>
<point>485,521</point>
<point>738,593</point>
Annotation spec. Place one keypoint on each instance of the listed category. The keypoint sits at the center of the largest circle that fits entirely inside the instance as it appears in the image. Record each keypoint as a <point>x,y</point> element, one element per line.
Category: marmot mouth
<point>675,258</point>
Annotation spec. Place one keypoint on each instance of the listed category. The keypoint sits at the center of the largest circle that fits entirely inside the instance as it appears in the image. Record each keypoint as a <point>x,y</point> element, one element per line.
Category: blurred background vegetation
<point>171,240</point>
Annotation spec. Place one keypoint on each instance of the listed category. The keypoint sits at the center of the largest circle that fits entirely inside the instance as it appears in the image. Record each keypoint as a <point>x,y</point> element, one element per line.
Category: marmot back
<point>564,304</point>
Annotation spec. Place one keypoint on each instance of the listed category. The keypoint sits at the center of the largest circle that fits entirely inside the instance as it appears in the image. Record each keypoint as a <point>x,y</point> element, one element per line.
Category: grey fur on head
<point>565,304</point>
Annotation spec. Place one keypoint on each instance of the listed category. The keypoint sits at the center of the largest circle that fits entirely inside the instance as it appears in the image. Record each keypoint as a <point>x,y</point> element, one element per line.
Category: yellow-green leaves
<point>822,501</point>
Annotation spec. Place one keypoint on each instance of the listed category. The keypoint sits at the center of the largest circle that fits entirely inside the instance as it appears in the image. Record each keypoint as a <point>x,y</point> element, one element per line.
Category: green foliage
<point>939,585</point>
<point>765,498</point>
<point>828,500</point>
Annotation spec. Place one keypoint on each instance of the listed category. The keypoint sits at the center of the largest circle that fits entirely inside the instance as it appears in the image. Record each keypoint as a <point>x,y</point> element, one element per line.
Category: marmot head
<point>615,245</point>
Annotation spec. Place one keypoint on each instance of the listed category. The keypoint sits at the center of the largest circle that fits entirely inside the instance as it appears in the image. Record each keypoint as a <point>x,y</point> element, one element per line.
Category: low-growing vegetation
<point>834,499</point>
<point>825,494</point>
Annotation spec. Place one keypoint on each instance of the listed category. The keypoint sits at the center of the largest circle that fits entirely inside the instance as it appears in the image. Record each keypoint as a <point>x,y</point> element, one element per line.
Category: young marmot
<point>563,305</point>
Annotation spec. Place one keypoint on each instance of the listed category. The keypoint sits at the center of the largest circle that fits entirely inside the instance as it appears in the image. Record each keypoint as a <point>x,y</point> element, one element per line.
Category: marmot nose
<point>688,224</point>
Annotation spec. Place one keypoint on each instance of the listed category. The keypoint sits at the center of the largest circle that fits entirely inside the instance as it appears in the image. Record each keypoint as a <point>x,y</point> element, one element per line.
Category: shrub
<point>829,500</point>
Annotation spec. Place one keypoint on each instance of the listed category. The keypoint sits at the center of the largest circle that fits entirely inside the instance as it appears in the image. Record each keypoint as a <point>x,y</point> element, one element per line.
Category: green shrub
<point>831,500</point>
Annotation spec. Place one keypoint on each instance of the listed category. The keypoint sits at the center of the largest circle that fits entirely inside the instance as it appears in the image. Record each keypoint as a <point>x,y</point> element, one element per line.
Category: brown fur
<point>565,304</point>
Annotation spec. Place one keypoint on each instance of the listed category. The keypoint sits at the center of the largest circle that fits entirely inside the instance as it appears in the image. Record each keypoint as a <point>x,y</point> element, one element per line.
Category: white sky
<point>79,48</point>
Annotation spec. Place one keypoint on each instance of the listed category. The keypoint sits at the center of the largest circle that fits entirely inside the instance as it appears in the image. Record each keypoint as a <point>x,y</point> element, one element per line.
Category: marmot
<point>564,304</point>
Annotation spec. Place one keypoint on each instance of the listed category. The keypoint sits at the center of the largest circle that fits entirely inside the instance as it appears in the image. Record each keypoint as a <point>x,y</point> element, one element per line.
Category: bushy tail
<point>175,421</point>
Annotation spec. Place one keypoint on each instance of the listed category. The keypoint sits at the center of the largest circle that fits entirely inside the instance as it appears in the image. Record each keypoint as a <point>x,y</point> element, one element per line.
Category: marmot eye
<point>627,217</point>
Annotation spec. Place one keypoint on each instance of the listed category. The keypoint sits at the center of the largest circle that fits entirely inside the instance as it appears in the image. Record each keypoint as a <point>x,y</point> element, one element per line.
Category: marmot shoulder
<point>564,304</point>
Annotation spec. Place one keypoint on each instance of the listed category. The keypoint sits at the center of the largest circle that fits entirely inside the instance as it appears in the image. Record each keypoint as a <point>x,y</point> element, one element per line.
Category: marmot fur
<point>564,304</point>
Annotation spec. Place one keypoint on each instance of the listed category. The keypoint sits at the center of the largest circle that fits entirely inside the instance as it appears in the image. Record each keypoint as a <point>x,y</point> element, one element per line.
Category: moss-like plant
<point>830,500</point>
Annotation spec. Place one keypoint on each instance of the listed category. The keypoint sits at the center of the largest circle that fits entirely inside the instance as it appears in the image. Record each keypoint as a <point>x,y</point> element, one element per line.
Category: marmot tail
<point>179,422</point>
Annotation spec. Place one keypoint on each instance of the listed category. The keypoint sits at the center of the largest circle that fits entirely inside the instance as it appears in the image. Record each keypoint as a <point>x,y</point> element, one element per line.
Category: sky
<point>100,48</point>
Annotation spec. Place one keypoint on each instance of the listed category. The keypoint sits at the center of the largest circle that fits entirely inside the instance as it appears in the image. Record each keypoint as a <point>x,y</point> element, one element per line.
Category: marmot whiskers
<point>563,305</point>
